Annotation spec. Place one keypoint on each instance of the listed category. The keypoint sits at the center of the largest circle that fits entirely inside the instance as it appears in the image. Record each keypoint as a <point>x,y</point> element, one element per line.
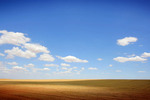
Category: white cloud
<point>99,59</point>
<point>46,57</point>
<point>110,65</point>
<point>3,68</point>
<point>131,55</point>
<point>74,67</point>
<point>118,71</point>
<point>72,59</point>
<point>29,65</point>
<point>127,40</point>
<point>64,64</point>
<point>51,65</point>
<point>64,72</point>
<point>15,51</point>
<point>40,69</point>
<point>92,68</point>
<point>12,63</point>
<point>15,38</point>
<point>1,54</point>
<point>145,54</point>
<point>18,68</point>
<point>141,71</point>
<point>82,68</point>
<point>64,68</point>
<point>67,70</point>
<point>125,59</point>
<point>1,65</point>
<point>78,72</point>
<point>36,48</point>
<point>46,69</point>
<point>19,39</point>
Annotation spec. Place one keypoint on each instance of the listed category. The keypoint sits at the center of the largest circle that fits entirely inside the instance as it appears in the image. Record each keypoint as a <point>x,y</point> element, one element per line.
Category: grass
<point>75,89</point>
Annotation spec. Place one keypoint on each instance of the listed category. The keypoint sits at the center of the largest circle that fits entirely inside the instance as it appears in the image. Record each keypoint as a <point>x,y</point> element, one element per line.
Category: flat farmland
<point>74,89</point>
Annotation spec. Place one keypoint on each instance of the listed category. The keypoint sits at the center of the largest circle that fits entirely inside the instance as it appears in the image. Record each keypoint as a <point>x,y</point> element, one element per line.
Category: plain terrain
<point>74,89</point>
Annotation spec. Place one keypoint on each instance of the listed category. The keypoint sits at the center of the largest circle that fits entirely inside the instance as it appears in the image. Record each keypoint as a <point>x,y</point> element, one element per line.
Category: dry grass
<point>74,89</point>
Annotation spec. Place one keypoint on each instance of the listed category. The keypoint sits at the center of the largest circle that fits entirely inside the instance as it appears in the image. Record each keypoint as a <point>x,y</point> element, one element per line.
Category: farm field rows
<point>74,89</point>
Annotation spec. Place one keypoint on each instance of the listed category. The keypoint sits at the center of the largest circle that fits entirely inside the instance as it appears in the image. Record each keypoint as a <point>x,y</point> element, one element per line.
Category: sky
<point>74,39</point>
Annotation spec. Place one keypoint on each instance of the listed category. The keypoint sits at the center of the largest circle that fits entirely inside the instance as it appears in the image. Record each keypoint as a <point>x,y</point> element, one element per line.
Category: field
<point>74,89</point>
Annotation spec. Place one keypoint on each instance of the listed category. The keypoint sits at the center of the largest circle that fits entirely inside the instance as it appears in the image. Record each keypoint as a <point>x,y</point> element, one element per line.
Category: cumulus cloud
<point>15,38</point>
<point>46,69</point>
<point>141,71</point>
<point>3,67</point>
<point>64,68</point>
<point>99,59</point>
<point>110,65</point>
<point>125,59</point>
<point>46,57</point>
<point>19,39</point>
<point>36,48</point>
<point>15,51</point>
<point>18,68</point>
<point>1,64</point>
<point>67,70</point>
<point>1,54</point>
<point>131,55</point>
<point>145,54</point>
<point>79,71</point>
<point>64,64</point>
<point>92,68</point>
<point>12,63</point>
<point>29,65</point>
<point>72,59</point>
<point>74,67</point>
<point>127,40</point>
<point>63,72</point>
<point>82,68</point>
<point>51,65</point>
<point>40,69</point>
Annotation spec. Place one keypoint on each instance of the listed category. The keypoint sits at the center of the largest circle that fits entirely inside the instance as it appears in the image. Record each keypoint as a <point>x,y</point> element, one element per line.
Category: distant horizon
<point>74,79</point>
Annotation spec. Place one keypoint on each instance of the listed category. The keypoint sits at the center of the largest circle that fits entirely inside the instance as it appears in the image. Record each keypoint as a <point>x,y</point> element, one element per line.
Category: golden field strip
<point>80,89</point>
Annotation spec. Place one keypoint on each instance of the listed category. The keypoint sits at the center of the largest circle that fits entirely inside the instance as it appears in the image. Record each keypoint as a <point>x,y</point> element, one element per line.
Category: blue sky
<point>63,39</point>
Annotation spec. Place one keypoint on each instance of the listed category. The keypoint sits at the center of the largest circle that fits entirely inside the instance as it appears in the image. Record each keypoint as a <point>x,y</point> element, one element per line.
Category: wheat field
<point>74,89</point>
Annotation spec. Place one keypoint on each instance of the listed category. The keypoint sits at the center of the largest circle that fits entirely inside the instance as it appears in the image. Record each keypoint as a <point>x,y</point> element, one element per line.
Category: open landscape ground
<point>74,89</point>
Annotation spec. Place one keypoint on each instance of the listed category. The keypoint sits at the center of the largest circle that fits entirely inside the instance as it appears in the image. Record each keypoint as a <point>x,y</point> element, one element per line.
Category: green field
<point>75,89</point>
